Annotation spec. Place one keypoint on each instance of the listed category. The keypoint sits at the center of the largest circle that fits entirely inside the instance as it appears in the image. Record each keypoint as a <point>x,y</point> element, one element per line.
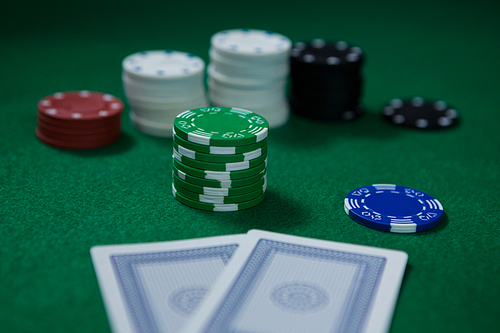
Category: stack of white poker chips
<point>161,84</point>
<point>249,69</point>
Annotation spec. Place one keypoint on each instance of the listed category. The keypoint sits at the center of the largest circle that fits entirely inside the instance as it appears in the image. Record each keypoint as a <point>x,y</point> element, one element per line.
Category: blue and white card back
<point>155,287</point>
<point>281,283</point>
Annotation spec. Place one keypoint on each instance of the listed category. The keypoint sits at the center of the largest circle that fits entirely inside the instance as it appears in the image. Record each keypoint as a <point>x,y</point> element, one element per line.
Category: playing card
<point>281,283</point>
<point>155,287</point>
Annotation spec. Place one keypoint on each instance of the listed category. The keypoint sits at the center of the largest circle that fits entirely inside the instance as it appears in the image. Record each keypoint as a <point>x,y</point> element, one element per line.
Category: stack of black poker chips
<point>326,80</point>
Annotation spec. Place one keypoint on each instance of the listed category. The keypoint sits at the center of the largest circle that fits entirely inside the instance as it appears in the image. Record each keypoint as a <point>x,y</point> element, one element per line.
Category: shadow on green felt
<point>301,131</point>
<point>406,275</point>
<point>276,213</point>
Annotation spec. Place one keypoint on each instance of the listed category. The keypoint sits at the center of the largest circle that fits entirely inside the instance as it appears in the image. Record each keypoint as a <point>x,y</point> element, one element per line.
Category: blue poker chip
<point>393,208</point>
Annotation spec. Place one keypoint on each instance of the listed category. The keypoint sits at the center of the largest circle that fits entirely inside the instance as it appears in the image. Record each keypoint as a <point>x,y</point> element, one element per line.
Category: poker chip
<point>266,70</point>
<point>159,85</point>
<point>79,119</point>
<point>326,80</point>
<point>219,191</point>
<point>194,155</point>
<point>248,69</point>
<point>214,166</point>
<point>219,175</point>
<point>251,85</point>
<point>217,207</point>
<point>251,44</point>
<point>393,208</point>
<point>221,126</point>
<point>217,150</point>
<point>149,127</point>
<point>219,158</point>
<point>215,199</point>
<point>330,114</point>
<point>421,114</point>
<point>76,130</point>
<point>62,124</point>
<point>79,144</point>
<point>163,65</point>
<point>215,183</point>
<point>77,137</point>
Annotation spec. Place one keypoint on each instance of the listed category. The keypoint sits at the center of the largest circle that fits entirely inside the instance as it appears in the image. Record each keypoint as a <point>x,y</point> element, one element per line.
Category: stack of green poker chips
<point>219,158</point>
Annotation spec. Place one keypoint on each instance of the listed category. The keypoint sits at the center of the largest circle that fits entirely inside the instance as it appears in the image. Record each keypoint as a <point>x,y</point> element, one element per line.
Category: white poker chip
<point>162,93</point>
<point>197,102</point>
<point>243,83</point>
<point>230,92</point>
<point>160,84</point>
<point>248,103</point>
<point>249,69</point>
<point>163,65</point>
<point>173,85</point>
<point>157,127</point>
<point>250,43</point>
<point>268,63</point>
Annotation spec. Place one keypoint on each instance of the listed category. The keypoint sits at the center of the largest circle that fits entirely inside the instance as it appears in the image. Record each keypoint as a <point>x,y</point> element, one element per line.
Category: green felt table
<point>56,204</point>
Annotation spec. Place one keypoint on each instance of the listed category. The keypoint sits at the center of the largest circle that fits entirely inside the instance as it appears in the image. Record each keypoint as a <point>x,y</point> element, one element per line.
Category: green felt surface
<point>56,204</point>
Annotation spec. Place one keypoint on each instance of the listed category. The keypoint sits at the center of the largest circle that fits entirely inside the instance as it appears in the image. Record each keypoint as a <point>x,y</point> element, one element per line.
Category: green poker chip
<point>217,191</point>
<point>234,166</point>
<point>219,158</point>
<point>221,126</point>
<point>217,150</point>
<point>219,175</point>
<point>216,199</point>
<point>231,183</point>
<point>217,207</point>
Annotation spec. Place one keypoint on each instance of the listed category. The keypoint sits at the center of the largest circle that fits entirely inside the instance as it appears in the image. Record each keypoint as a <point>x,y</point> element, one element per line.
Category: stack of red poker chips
<point>79,119</point>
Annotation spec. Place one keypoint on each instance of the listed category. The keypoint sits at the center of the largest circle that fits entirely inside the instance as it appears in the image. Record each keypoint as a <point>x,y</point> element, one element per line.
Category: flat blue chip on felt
<point>393,208</point>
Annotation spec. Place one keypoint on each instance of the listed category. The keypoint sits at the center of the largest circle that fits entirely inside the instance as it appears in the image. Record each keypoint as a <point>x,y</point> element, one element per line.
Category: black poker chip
<point>327,96</point>
<point>325,80</point>
<point>328,114</point>
<point>335,55</point>
<point>420,113</point>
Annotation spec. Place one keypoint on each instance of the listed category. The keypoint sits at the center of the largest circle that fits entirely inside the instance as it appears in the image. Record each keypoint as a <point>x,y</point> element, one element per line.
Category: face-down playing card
<point>154,287</point>
<point>281,283</point>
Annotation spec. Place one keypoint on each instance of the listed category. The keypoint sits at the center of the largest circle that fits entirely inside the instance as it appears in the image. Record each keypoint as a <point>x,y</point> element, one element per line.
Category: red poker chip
<point>79,119</point>
<point>80,123</point>
<point>76,145</point>
<point>78,130</point>
<point>77,137</point>
<point>80,106</point>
